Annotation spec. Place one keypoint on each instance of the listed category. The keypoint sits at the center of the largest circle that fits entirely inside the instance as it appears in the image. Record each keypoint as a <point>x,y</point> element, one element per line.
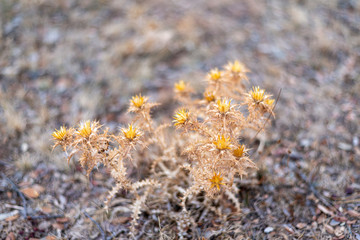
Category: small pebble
<point>355,141</point>
<point>305,143</point>
<point>295,155</point>
<point>268,230</point>
<point>334,222</point>
<point>344,146</point>
<point>44,225</point>
<point>24,147</point>
<point>52,36</point>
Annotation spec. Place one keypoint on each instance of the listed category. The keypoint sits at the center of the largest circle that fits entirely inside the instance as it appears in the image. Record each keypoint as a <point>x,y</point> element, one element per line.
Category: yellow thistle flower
<point>209,96</point>
<point>222,142</point>
<point>257,94</point>
<point>60,134</point>
<point>236,67</point>
<point>239,151</point>
<point>216,181</point>
<point>181,116</point>
<point>223,106</point>
<point>269,102</point>
<point>85,129</point>
<point>130,133</point>
<point>214,74</point>
<point>180,86</point>
<point>138,101</point>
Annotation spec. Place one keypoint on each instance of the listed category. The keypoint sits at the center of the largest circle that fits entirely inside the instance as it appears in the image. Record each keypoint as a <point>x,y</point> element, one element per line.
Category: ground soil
<point>65,61</point>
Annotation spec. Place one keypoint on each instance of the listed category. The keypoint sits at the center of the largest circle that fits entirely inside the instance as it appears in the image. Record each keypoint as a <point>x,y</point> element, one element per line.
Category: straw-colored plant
<point>204,154</point>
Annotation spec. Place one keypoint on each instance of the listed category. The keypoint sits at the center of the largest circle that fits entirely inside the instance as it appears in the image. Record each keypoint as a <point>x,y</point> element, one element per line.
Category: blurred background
<point>66,61</point>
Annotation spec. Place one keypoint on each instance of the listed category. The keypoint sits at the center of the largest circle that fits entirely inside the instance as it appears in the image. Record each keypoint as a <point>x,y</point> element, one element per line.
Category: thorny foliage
<point>206,156</point>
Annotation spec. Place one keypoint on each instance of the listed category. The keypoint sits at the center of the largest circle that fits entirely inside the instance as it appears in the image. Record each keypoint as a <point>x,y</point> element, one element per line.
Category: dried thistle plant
<point>215,154</point>
<point>96,146</point>
<point>206,156</point>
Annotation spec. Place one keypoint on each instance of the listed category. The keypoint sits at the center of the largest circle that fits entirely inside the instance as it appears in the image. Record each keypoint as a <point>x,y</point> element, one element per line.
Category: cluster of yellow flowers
<point>211,132</point>
<point>217,124</point>
<point>92,143</point>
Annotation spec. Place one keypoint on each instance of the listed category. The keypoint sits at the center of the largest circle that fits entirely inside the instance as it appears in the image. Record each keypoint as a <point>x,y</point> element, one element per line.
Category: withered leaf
<point>58,226</point>
<point>339,231</point>
<point>353,213</point>
<point>325,210</point>
<point>12,218</point>
<point>62,220</point>
<point>46,209</point>
<point>301,225</point>
<point>30,192</point>
<point>10,236</point>
<point>329,228</point>
<point>50,237</point>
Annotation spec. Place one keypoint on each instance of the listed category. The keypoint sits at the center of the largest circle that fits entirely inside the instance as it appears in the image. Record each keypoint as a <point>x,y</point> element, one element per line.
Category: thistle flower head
<point>138,101</point>
<point>257,94</point>
<point>130,133</point>
<point>209,96</point>
<point>214,74</point>
<point>269,102</point>
<point>85,129</point>
<point>223,105</point>
<point>236,67</point>
<point>181,116</point>
<point>180,86</point>
<point>60,134</point>
<point>239,151</point>
<point>222,142</point>
<point>216,181</point>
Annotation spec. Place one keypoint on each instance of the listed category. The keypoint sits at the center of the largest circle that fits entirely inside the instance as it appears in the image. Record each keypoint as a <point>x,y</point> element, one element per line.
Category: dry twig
<point>103,235</point>
<point>17,190</point>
